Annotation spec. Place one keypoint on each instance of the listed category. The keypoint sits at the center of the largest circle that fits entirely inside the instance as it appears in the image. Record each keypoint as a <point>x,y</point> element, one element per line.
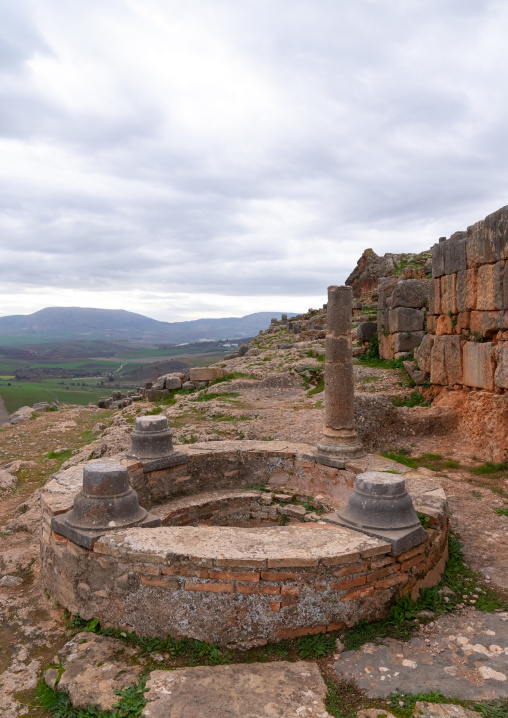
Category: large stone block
<point>366,330</point>
<point>383,319</point>
<point>487,240</point>
<point>466,290</point>
<point>486,324</point>
<point>435,296</point>
<point>405,319</point>
<point>479,365</point>
<point>505,286</point>
<point>205,373</point>
<point>385,289</point>
<point>410,293</point>
<point>490,287</point>
<point>431,321</point>
<point>501,374</point>
<point>449,294</point>
<point>444,325</point>
<point>406,341</point>
<point>424,353</point>
<point>386,348</point>
<point>156,394</point>
<point>455,253</point>
<point>446,361</point>
<point>438,265</point>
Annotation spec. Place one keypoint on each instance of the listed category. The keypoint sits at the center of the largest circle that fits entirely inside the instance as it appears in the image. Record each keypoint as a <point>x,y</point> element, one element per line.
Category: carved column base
<point>338,446</point>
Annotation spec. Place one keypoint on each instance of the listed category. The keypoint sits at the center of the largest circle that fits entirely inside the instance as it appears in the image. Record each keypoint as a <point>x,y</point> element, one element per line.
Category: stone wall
<point>467,320</point>
<point>402,306</point>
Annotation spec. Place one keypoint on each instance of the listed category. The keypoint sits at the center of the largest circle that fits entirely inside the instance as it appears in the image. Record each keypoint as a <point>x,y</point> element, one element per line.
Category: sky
<point>187,159</point>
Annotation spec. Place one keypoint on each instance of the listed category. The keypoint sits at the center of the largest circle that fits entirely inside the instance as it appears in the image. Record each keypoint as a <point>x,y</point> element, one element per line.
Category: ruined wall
<point>401,316</point>
<point>467,320</point>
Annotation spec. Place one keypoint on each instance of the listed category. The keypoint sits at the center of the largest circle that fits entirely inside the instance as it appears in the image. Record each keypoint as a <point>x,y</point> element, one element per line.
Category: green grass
<point>212,395</point>
<point>320,386</point>
<point>501,511</point>
<point>317,645</point>
<point>489,468</point>
<point>130,704</point>
<point>435,462</point>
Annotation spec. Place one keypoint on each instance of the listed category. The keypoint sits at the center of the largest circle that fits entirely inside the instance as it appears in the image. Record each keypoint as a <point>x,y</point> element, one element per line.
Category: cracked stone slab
<point>94,667</point>
<point>464,656</point>
<point>258,690</point>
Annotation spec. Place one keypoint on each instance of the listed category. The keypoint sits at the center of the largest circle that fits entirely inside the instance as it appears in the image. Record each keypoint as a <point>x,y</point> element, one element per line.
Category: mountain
<point>80,323</point>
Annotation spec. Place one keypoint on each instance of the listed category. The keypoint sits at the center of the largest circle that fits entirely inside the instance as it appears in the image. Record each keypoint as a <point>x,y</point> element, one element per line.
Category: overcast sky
<point>221,157</point>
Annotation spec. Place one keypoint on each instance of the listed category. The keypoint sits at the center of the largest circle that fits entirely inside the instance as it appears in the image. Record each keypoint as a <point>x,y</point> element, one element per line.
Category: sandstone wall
<point>402,305</point>
<point>467,320</point>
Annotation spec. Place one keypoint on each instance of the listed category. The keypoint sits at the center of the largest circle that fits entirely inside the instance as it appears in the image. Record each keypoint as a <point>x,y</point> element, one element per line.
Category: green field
<point>27,393</point>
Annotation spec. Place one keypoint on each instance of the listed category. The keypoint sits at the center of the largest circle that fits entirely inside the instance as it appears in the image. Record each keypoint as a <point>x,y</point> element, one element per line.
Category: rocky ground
<point>273,394</point>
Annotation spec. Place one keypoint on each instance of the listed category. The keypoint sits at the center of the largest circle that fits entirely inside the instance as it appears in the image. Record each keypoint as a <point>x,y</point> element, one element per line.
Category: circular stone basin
<point>209,573</point>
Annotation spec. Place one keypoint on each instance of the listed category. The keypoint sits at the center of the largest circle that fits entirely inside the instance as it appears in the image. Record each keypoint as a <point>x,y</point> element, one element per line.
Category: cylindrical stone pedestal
<point>152,444</point>
<point>340,441</point>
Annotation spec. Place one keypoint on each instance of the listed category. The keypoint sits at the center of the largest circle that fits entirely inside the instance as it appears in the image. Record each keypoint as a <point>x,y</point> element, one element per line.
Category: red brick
<point>383,572</point>
<point>359,593</point>
<point>269,576</point>
<point>392,580</point>
<point>335,627</point>
<point>348,583</point>
<point>289,602</point>
<point>209,587</point>
<point>290,591</point>
<point>186,571</point>
<point>340,560</point>
<point>412,552</point>
<point>60,540</point>
<point>411,562</point>
<point>297,632</point>
<point>275,606</point>
<point>382,562</point>
<point>232,576</point>
<point>169,583</point>
<point>268,590</point>
<point>353,568</point>
<point>146,569</point>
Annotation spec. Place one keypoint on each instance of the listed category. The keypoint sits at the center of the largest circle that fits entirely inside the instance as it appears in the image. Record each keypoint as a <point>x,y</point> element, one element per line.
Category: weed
<point>415,399</point>
<point>477,494</point>
<point>25,572</point>
<point>279,649</point>
<point>317,645</point>
<point>320,386</point>
<point>63,454</point>
<point>424,520</point>
<point>213,395</point>
<point>155,411</point>
<point>489,468</point>
<point>501,512</point>
<point>343,699</point>
<point>267,438</point>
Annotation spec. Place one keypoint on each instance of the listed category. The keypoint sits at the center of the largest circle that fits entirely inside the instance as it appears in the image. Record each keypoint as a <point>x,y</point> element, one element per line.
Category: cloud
<point>185,159</point>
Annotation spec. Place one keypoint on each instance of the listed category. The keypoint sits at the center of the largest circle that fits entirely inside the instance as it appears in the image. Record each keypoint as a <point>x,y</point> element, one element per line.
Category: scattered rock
<point>256,690</point>
<point>441,710</point>
<point>93,670</point>
<point>11,581</point>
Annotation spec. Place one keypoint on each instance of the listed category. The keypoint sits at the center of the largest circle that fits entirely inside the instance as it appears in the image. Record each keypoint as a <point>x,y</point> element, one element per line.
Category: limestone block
<point>449,294</point>
<point>438,265</point>
<point>463,322</point>
<point>466,290</point>
<point>206,373</point>
<point>383,321</point>
<point>487,323</point>
<point>435,296</point>
<point>419,377</point>
<point>424,353</point>
<point>479,365</point>
<point>490,287</point>
<point>446,360</point>
<point>444,325</point>
<point>455,253</point>
<point>431,323</point>
<point>156,394</point>
<point>386,346</point>
<point>501,374</point>
<point>410,293</point>
<point>405,319</point>
<point>487,240</point>
<point>385,289</point>
<point>505,286</point>
<point>173,382</point>
<point>366,330</point>
<point>405,341</point>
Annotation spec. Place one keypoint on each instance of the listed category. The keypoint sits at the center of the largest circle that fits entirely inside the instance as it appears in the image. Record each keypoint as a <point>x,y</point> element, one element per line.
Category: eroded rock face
<point>258,690</point>
<point>93,670</point>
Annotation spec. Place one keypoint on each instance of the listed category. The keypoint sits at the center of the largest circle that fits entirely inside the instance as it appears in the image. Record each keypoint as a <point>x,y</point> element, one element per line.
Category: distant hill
<point>80,323</point>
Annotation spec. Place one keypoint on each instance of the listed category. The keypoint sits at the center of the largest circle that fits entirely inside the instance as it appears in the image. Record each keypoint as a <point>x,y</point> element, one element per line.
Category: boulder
<point>479,365</point>
<point>206,373</point>
<point>405,319</point>
<point>410,293</point>
<point>366,330</point>
<point>7,480</point>
<point>419,377</point>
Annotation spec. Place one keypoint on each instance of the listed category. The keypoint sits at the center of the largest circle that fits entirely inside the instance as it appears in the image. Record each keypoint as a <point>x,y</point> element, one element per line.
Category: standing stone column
<point>340,441</point>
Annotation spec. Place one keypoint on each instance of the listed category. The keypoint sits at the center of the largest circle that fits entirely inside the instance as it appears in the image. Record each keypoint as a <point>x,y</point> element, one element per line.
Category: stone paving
<point>463,655</point>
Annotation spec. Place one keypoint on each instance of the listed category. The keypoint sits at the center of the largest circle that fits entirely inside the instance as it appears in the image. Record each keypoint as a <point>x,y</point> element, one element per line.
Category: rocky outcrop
<point>365,277</point>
